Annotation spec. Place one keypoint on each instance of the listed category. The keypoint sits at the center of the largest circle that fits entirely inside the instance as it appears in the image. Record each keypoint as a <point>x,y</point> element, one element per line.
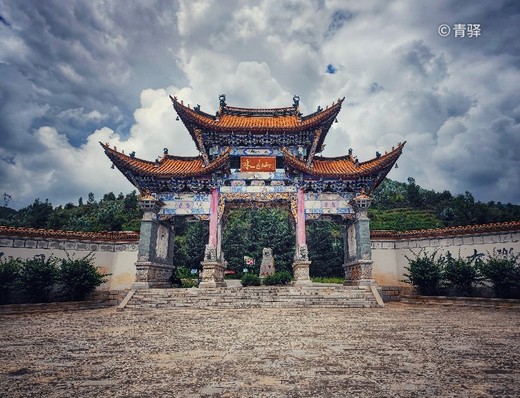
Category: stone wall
<point>114,252</point>
<point>389,248</point>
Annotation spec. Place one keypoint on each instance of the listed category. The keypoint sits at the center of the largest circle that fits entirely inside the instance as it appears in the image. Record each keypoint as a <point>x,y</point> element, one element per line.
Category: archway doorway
<point>246,231</point>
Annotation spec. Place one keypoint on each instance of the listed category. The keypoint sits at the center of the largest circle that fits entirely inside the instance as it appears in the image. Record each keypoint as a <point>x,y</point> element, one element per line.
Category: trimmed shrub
<point>37,276</point>
<point>9,275</point>
<point>189,282</point>
<point>250,280</point>
<point>278,278</point>
<point>461,273</point>
<point>502,268</point>
<point>326,279</point>
<point>79,277</point>
<point>425,272</point>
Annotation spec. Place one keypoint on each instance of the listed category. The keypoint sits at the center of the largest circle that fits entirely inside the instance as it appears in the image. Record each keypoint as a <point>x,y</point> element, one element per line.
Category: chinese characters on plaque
<point>257,163</point>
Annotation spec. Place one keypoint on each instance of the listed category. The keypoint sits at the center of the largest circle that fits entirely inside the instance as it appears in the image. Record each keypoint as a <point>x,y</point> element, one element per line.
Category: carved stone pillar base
<point>358,273</point>
<point>301,272</point>
<point>150,275</point>
<point>212,275</point>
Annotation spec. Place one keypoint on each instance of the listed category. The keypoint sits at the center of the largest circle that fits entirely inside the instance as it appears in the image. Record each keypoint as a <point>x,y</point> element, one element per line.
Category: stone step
<point>254,297</point>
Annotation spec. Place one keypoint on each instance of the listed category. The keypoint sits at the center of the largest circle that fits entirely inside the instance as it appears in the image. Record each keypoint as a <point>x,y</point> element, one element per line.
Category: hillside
<point>395,206</point>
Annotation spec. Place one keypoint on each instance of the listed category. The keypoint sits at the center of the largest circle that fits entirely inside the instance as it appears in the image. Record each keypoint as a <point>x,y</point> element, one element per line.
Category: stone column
<point>212,266</point>
<point>358,252</point>
<point>301,261</point>
<point>154,264</point>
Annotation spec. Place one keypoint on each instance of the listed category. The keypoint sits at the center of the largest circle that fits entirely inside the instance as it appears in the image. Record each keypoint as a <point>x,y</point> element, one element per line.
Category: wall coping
<point>133,237</point>
<point>511,226</point>
<point>54,234</point>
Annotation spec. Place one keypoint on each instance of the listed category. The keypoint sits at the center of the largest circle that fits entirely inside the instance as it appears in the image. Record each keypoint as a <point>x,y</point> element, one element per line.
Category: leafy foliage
<point>190,240</point>
<point>278,278</point>
<point>38,276</point>
<point>326,279</point>
<point>406,206</point>
<point>248,231</point>
<point>250,280</point>
<point>425,272</point>
<point>9,274</point>
<point>461,273</point>
<point>502,268</point>
<point>325,243</point>
<point>121,213</point>
<point>79,277</point>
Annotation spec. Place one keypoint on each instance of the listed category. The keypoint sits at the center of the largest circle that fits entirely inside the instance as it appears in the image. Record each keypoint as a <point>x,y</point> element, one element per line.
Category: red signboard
<point>257,163</point>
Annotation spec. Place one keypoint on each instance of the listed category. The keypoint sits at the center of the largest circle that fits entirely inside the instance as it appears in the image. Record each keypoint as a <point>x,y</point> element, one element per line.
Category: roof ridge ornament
<point>222,99</point>
<point>296,101</point>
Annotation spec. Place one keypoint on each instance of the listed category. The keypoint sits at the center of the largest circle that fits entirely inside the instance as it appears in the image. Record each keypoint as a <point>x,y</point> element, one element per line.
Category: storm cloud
<point>78,72</point>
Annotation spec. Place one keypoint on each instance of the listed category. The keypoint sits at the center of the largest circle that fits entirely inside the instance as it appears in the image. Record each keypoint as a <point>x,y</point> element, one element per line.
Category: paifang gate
<point>260,155</point>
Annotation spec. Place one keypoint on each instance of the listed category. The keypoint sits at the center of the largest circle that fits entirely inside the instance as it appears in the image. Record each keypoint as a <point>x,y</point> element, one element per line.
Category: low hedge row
<point>41,279</point>
<point>429,272</point>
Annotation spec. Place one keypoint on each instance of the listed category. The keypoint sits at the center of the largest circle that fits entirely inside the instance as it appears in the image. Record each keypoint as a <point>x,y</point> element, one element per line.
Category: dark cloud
<point>337,20</point>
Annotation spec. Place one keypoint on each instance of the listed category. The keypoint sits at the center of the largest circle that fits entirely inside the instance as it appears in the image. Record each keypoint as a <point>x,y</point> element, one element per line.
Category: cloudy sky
<point>73,73</point>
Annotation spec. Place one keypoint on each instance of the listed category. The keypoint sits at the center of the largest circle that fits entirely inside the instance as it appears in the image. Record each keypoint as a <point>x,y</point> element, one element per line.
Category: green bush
<point>278,278</point>
<point>425,272</point>
<point>325,279</point>
<point>79,276</point>
<point>189,282</point>
<point>502,268</point>
<point>461,273</point>
<point>250,280</point>
<point>38,276</point>
<point>9,274</point>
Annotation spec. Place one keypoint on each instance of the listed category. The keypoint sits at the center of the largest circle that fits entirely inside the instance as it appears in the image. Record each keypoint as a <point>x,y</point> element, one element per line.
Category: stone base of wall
<point>109,297</point>
<point>11,309</point>
<point>97,299</point>
<point>394,293</point>
<point>462,301</point>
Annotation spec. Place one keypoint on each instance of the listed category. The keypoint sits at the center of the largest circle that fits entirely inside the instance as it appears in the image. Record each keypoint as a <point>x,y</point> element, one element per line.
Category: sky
<point>442,75</point>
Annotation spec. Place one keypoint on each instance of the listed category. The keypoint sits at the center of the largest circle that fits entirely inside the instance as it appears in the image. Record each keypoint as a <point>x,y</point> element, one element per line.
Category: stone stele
<point>267,266</point>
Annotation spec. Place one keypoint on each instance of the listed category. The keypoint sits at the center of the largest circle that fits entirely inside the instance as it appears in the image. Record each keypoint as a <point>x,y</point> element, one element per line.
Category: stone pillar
<point>301,262</point>
<point>212,266</point>
<point>358,252</point>
<point>154,264</point>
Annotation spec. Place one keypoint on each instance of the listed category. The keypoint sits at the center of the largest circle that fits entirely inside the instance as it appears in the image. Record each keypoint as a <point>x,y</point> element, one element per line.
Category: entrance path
<point>397,351</point>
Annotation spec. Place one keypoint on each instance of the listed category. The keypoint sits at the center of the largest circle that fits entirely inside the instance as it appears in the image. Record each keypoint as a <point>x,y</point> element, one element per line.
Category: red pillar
<point>300,222</point>
<point>213,218</point>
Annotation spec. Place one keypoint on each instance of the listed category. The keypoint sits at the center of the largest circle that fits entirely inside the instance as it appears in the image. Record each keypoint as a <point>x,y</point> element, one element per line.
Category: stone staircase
<point>335,296</point>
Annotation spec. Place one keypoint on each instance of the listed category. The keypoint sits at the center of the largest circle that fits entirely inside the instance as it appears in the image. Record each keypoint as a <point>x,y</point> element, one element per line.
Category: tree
<point>35,215</point>
<point>325,242</point>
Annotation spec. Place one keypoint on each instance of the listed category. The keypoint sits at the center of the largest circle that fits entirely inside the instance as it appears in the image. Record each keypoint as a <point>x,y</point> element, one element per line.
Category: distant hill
<point>396,206</point>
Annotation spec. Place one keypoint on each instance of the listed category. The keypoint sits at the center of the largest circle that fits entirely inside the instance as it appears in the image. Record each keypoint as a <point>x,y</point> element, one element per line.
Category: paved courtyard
<point>398,351</point>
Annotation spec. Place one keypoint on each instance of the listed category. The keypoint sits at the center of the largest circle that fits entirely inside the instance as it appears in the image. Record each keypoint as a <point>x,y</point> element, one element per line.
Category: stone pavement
<point>397,351</point>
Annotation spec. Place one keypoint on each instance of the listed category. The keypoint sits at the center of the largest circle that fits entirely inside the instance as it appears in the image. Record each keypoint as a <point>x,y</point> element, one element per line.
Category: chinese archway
<point>253,156</point>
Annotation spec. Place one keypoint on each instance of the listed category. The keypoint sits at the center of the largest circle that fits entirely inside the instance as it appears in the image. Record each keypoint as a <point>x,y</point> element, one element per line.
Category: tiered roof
<point>168,167</point>
<point>234,119</point>
<point>343,166</point>
<point>283,128</point>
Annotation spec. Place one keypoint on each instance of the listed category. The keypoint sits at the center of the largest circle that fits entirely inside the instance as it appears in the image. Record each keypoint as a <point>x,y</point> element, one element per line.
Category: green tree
<point>325,243</point>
